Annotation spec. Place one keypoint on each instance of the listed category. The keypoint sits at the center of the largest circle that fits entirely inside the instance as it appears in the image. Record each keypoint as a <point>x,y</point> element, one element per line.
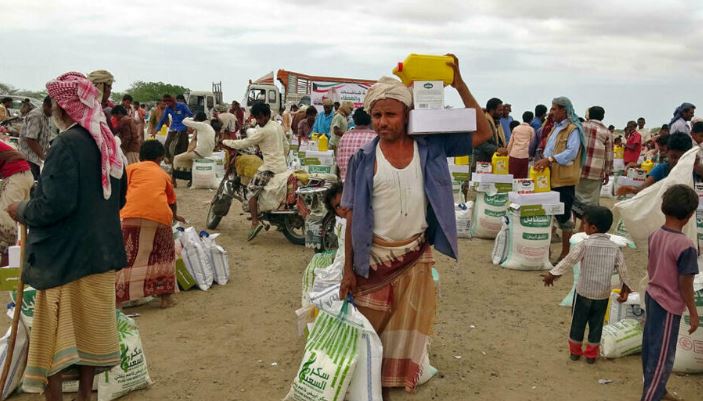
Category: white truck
<point>205,101</point>
<point>303,89</point>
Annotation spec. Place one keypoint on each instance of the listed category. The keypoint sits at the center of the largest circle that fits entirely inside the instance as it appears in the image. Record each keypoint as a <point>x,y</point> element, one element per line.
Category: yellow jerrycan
<point>322,143</point>
<point>425,67</point>
<point>647,166</point>
<point>462,160</point>
<point>499,164</point>
<point>541,179</point>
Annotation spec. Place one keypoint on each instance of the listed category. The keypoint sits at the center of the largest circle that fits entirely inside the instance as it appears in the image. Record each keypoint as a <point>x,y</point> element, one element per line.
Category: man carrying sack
<point>399,191</point>
<point>75,244</point>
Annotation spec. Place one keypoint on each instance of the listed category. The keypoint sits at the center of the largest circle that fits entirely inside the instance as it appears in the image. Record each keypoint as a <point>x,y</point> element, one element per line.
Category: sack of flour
<point>689,347</point>
<point>500,245</point>
<point>19,357</point>
<point>318,261</point>
<point>203,174</point>
<point>219,261</point>
<point>196,259</point>
<point>488,210</point>
<point>132,373</point>
<point>528,241</point>
<point>621,339</point>
<point>463,219</point>
<point>329,361</point>
<point>607,190</point>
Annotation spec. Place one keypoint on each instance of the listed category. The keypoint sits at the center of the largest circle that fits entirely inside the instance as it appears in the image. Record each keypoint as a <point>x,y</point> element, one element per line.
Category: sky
<point>632,57</point>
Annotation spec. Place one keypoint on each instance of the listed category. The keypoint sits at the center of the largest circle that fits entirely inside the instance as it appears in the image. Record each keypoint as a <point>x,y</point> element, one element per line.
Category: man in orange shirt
<point>146,222</point>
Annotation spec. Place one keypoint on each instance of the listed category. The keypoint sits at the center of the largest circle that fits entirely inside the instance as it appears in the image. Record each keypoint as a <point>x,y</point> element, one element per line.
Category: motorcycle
<point>295,219</point>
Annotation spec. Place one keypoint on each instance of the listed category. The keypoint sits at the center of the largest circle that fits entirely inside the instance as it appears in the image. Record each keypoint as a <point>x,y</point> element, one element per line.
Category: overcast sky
<point>633,57</point>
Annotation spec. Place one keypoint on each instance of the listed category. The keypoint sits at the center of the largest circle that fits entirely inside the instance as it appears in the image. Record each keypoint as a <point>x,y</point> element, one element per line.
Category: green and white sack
<point>621,339</point>
<point>318,261</point>
<point>488,210</point>
<point>203,174</point>
<point>132,373</point>
<point>329,361</point>
<point>528,240</point>
<point>689,347</point>
<point>28,298</point>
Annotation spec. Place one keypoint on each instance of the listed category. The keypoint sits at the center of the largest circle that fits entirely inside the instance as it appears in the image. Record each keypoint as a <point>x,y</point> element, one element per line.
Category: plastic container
<point>499,164</point>
<point>462,160</point>
<point>322,143</point>
<point>424,67</point>
<point>647,166</point>
<point>541,179</point>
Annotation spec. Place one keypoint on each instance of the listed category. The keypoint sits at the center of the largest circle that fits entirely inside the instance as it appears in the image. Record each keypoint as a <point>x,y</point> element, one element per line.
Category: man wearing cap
<point>75,244</point>
<point>564,155</point>
<point>103,80</point>
<point>340,122</point>
<point>323,121</point>
<point>399,193</point>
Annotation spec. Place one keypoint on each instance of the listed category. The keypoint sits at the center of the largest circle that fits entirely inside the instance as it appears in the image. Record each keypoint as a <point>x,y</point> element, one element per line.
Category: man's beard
<point>59,122</point>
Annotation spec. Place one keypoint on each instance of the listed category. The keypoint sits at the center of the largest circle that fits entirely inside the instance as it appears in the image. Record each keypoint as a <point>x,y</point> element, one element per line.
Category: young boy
<point>598,256</point>
<point>671,267</point>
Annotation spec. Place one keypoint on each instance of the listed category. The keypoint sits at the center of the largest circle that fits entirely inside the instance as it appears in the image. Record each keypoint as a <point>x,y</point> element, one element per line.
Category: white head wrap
<point>388,88</point>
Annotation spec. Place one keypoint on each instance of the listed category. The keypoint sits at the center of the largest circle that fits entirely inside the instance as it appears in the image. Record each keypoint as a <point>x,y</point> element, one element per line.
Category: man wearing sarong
<point>74,245</point>
<point>146,226</point>
<point>399,191</point>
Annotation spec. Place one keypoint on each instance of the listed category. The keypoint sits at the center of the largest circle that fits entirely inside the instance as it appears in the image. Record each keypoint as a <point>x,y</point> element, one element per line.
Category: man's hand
<point>542,164</point>
<point>625,189</point>
<point>549,279</point>
<point>180,219</point>
<point>624,293</point>
<point>348,285</point>
<point>694,322</point>
<point>502,151</point>
<point>458,81</point>
<point>12,210</point>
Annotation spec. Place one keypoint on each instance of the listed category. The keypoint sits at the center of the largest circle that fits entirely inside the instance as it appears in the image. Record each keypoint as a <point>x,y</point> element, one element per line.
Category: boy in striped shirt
<point>671,267</point>
<point>599,257</point>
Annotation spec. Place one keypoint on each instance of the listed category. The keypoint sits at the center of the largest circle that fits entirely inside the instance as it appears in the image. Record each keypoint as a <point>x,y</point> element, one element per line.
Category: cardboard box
<point>460,174</point>
<point>428,95</point>
<point>484,168</point>
<point>491,188</point>
<point>444,121</point>
<point>492,178</point>
<point>538,210</point>
<point>524,186</point>
<point>317,169</point>
<point>629,309</point>
<point>535,198</point>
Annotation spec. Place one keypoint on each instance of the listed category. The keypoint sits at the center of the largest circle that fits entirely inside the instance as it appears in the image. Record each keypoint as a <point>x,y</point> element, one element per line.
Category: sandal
<point>255,231</point>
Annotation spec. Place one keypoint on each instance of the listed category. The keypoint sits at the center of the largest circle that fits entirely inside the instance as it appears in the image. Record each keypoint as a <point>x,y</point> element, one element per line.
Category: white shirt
<point>205,135</point>
<point>228,120</point>
<point>399,202</point>
<point>271,141</point>
<point>680,125</point>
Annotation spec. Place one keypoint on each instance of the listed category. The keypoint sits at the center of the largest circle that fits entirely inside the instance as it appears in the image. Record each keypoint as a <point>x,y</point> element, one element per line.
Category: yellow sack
<point>247,166</point>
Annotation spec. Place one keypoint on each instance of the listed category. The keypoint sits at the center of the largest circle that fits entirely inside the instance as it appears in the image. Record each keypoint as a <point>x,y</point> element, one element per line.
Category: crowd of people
<point>102,210</point>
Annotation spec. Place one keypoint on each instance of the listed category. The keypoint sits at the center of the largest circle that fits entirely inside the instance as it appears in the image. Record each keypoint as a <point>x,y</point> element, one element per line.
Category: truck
<point>303,89</point>
<point>205,101</point>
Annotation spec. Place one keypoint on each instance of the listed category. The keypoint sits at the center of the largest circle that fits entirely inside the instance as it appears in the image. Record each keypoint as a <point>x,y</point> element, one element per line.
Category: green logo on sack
<point>493,213</point>
<point>496,200</point>
<point>535,237</point>
<point>536,221</point>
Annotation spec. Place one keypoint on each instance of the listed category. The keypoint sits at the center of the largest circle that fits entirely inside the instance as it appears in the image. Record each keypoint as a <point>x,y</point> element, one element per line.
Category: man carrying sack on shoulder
<point>399,193</point>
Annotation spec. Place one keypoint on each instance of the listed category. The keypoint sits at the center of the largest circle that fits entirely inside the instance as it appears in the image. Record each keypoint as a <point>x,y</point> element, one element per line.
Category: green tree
<point>151,91</point>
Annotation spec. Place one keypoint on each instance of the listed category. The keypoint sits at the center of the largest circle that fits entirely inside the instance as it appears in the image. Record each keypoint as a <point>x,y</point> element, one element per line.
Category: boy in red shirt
<point>671,267</point>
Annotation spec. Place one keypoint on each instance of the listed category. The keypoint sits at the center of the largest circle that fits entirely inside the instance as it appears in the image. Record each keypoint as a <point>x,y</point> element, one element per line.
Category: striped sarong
<point>151,261</point>
<point>74,324</point>
<point>399,300</point>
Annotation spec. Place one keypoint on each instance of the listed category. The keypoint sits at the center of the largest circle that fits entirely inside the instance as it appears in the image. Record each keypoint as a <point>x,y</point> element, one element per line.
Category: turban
<point>327,102</point>
<point>574,119</point>
<point>101,77</point>
<point>346,108</point>
<point>679,111</point>
<point>387,88</point>
<point>80,99</point>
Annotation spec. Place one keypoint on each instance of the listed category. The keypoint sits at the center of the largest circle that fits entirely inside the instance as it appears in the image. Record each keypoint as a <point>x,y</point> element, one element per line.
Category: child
<point>519,147</point>
<point>671,267</point>
<point>598,256</point>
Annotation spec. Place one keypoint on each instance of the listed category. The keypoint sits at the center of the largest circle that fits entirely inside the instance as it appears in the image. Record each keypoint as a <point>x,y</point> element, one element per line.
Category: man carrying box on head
<point>399,193</point>
<point>563,154</point>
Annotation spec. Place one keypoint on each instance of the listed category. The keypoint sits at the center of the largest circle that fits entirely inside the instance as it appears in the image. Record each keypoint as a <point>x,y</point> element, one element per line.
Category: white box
<point>524,185</point>
<point>428,95</point>
<point>535,198</point>
<point>492,178</point>
<point>554,209</point>
<point>629,309</point>
<point>442,121</point>
<point>13,256</point>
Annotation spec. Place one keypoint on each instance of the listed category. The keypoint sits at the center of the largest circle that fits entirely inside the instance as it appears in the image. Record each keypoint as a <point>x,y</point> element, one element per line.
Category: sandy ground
<point>499,334</point>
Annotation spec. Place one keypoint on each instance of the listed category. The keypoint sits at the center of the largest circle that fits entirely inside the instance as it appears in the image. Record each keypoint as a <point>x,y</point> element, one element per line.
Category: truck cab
<point>264,93</point>
<point>205,101</point>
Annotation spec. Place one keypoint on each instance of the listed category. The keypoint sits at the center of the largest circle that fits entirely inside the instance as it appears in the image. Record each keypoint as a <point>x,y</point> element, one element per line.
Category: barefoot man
<point>399,191</point>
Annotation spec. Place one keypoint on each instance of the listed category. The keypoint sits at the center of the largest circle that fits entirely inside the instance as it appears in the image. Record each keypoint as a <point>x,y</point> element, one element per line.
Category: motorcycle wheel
<point>294,229</point>
<point>329,239</point>
<point>219,202</point>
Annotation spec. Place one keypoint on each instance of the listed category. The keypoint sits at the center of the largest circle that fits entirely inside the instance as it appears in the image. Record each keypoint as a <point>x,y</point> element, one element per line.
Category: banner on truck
<point>338,92</point>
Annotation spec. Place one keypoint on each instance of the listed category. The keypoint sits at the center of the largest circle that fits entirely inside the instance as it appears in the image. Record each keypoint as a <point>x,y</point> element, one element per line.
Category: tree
<point>151,91</point>
<point>7,89</point>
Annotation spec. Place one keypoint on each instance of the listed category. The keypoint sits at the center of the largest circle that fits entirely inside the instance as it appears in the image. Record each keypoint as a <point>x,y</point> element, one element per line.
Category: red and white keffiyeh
<point>81,101</point>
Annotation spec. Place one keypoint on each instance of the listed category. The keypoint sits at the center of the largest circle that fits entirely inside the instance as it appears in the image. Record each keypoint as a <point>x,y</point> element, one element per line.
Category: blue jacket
<point>441,221</point>
<point>177,116</point>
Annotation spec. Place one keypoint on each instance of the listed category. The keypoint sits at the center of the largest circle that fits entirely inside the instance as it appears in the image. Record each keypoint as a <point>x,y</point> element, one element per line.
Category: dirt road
<point>499,334</point>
